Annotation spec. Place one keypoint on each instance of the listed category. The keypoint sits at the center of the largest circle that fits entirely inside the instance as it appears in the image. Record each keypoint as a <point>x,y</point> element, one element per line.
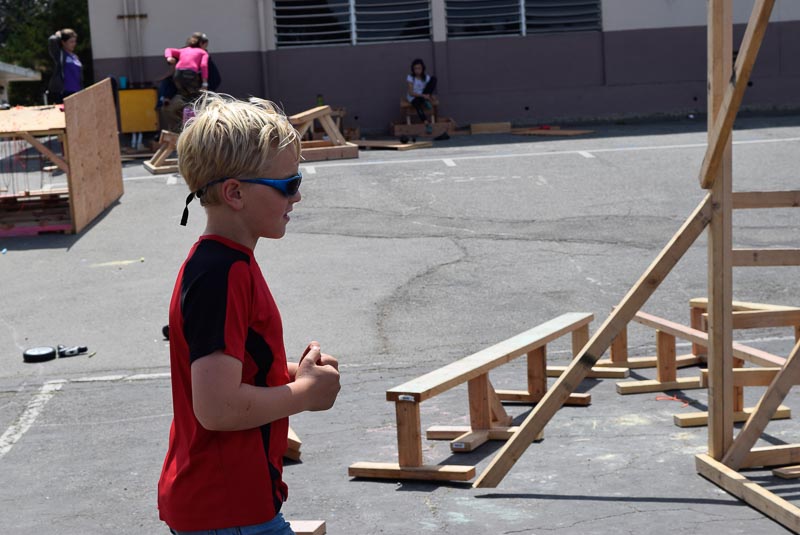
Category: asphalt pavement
<point>399,263</point>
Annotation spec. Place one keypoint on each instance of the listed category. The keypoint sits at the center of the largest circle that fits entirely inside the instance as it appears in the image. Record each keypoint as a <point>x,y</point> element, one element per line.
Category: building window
<point>312,22</point>
<point>392,20</point>
<point>475,18</point>
<point>323,22</point>
<point>562,16</point>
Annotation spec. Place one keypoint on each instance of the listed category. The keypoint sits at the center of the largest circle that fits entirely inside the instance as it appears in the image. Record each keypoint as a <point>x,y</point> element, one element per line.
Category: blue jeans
<point>276,526</point>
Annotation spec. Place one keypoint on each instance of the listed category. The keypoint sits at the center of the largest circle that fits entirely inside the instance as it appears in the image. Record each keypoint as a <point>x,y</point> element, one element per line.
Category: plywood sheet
<point>32,119</point>
<point>95,179</point>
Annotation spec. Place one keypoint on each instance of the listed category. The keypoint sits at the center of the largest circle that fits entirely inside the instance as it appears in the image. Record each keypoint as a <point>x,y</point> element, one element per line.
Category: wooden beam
<point>718,177</point>
<point>52,156</point>
<point>741,351</point>
<point>702,303</point>
<point>567,383</point>
<point>747,376</point>
<point>430,472</point>
<point>725,114</point>
<point>758,319</point>
<point>772,456</point>
<point>772,398</point>
<point>698,419</point>
<point>754,494</point>
<point>766,257</point>
<point>765,199</point>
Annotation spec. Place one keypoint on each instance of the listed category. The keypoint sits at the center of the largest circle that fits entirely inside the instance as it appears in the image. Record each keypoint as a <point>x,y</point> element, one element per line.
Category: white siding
<point>643,14</point>
<point>231,26</point>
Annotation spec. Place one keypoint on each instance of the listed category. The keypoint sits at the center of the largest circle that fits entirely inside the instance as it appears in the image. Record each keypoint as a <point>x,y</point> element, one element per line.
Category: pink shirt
<point>191,58</point>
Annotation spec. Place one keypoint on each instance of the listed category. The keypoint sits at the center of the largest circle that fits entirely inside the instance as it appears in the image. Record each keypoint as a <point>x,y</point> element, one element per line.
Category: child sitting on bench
<point>420,89</point>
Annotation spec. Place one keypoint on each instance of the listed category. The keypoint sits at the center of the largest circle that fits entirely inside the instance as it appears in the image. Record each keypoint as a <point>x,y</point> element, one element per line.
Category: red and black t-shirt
<point>219,479</point>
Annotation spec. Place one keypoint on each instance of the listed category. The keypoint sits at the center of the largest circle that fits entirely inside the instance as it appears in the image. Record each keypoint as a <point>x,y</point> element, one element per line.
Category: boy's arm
<point>222,402</point>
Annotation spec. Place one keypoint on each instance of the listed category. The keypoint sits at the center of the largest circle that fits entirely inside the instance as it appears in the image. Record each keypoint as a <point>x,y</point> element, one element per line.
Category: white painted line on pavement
<point>310,169</point>
<point>449,163</point>
<point>551,153</point>
<point>32,411</point>
<point>146,376</point>
<point>586,154</point>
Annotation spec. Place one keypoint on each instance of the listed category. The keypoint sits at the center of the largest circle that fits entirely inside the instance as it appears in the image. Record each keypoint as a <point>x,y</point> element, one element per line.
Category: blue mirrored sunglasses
<point>287,186</point>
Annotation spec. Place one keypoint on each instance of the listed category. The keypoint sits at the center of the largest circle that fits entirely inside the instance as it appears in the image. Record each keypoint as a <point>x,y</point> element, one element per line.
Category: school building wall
<point>650,59</point>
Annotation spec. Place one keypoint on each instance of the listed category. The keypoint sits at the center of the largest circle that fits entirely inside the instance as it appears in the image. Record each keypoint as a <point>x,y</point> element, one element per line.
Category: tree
<point>25,26</point>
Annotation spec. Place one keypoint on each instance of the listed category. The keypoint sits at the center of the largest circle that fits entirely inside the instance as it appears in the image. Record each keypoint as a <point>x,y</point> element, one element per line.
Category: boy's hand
<point>319,372</point>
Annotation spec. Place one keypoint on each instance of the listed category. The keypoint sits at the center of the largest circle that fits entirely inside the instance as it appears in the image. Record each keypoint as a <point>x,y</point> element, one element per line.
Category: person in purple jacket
<point>67,69</point>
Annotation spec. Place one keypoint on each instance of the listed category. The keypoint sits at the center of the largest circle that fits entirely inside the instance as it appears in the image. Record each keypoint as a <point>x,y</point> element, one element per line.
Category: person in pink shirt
<point>191,65</point>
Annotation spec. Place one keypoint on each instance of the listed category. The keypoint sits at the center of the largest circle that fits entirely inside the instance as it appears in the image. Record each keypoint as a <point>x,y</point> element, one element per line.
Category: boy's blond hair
<point>231,138</point>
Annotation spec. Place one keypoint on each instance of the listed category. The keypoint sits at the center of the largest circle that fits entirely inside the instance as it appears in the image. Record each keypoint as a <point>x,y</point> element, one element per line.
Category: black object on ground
<point>39,354</point>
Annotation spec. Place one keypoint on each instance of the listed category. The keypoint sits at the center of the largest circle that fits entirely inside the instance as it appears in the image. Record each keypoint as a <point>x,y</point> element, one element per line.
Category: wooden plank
<point>429,472</point>
<point>308,527</point>
<point>787,472</point>
<point>575,399</point>
<point>702,303</point>
<point>52,156</point>
<point>461,371</point>
<point>490,128</point>
<point>767,456</point>
<point>755,495</point>
<point>392,144</point>
<point>757,319</point>
<point>699,419</point>
<point>450,432</point>
<point>329,151</point>
<point>636,363</point>
<point>469,441</point>
<point>772,398</point>
<point>724,116</point>
<point>766,257</point>
<point>741,351</point>
<point>654,385</point>
<point>309,115</point>
<point>596,372</point>
<point>499,414</point>
<point>541,414</point>
<point>747,376</point>
<point>95,178</point>
<point>765,199</point>
<point>330,128</point>
<point>32,119</point>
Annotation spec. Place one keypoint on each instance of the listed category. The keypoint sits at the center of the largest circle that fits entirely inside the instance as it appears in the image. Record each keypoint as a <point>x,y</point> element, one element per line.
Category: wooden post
<point>537,373</point>
<point>619,347</point>
<point>480,415</point>
<point>580,337</point>
<point>409,434</point>
<point>667,370</point>
<point>728,91</point>
<point>696,322</point>
<point>720,333</point>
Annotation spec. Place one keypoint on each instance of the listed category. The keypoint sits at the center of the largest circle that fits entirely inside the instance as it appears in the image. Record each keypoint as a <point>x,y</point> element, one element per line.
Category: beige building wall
<point>619,15</point>
<point>231,26</point>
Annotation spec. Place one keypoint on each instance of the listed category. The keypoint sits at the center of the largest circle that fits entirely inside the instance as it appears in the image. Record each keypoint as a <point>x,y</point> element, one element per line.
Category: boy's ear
<point>231,194</point>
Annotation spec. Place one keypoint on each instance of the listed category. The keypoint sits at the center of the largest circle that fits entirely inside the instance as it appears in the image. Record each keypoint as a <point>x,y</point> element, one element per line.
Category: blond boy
<point>232,388</point>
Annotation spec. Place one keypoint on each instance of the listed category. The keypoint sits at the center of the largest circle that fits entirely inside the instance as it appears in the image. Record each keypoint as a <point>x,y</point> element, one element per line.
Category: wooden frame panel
<point>95,179</point>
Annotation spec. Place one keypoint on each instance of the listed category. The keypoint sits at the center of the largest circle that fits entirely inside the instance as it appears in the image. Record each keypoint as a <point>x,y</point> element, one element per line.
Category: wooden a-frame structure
<point>725,455</point>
